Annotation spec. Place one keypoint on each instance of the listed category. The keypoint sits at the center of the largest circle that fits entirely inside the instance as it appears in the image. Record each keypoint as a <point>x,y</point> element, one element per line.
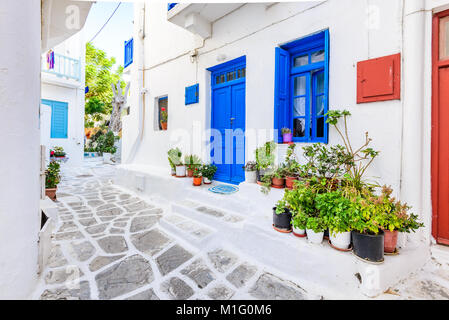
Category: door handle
<point>232,120</point>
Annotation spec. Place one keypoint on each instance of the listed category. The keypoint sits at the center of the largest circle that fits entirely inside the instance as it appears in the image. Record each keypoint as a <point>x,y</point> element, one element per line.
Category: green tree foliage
<point>99,77</point>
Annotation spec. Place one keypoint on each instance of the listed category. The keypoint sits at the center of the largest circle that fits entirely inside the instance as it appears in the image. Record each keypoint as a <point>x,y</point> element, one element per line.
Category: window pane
<point>317,56</point>
<point>299,107</point>
<point>319,105</point>
<point>301,61</point>
<point>320,127</point>
<point>444,38</point>
<point>220,79</point>
<point>299,127</point>
<point>163,112</point>
<point>230,76</point>
<point>320,83</point>
<point>299,88</point>
<point>241,73</point>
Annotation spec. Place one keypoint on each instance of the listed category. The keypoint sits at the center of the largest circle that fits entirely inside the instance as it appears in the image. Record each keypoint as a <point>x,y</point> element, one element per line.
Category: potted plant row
<point>331,194</point>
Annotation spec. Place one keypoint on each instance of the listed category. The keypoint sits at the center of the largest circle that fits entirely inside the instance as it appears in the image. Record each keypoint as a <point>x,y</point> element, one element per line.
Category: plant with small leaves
<point>299,221</point>
<point>265,156</point>
<point>362,157</point>
<point>250,166</point>
<point>316,224</point>
<point>208,171</point>
<point>52,176</point>
<point>286,130</point>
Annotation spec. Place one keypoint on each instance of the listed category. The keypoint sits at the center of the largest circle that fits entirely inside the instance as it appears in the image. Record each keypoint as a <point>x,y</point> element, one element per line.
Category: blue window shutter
<point>191,94</point>
<point>326,83</point>
<point>281,89</point>
<point>59,120</point>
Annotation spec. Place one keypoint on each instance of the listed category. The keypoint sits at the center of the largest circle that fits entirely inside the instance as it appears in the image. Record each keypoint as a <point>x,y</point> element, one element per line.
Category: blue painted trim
<point>191,94</point>
<point>129,52</point>
<point>171,5</point>
<point>65,67</point>
<point>228,64</point>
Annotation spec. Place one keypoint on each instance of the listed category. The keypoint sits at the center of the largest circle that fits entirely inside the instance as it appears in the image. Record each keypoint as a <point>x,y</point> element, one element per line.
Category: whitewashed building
<point>62,99</point>
<point>28,29</point>
<point>256,66</point>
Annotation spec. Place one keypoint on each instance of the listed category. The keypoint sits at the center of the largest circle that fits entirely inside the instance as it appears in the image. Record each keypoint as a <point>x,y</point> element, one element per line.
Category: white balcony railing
<point>64,67</point>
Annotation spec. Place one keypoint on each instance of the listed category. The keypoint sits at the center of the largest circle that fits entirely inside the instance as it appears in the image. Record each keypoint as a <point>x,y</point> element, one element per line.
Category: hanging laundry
<point>50,60</point>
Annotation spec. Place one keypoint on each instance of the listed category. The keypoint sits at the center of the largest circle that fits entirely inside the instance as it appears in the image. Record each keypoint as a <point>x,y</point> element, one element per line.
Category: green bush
<point>52,177</point>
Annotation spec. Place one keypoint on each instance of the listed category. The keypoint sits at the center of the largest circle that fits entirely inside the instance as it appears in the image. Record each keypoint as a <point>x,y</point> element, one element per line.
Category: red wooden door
<point>440,128</point>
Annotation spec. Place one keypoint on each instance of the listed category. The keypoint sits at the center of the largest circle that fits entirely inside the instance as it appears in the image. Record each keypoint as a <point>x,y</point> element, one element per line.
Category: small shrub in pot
<point>282,216</point>
<point>315,229</point>
<point>250,172</point>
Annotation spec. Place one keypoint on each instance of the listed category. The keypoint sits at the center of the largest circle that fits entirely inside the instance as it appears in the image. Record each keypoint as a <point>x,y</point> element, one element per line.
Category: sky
<point>118,30</point>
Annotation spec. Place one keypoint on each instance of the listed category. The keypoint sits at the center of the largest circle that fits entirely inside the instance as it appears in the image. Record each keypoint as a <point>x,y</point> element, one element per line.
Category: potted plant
<point>315,229</point>
<point>197,177</point>
<point>336,210</point>
<point>105,145</point>
<point>293,168</point>
<point>299,223</point>
<point>265,158</point>
<point>367,234</point>
<point>282,217</point>
<point>394,219</point>
<point>192,162</point>
<point>208,173</point>
<point>57,152</point>
<point>278,179</point>
<point>164,118</point>
<point>250,172</point>
<point>287,136</point>
<point>174,158</point>
<point>52,179</point>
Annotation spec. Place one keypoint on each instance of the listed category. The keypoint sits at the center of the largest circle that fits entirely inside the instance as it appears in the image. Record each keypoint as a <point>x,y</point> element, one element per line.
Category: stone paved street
<point>109,244</point>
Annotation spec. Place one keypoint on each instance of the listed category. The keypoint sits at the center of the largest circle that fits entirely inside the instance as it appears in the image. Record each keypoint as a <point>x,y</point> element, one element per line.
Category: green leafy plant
<point>316,224</point>
<point>301,199</point>
<point>265,156</point>
<point>250,166</point>
<point>286,130</point>
<point>58,152</point>
<point>52,177</point>
<point>174,157</point>
<point>164,115</point>
<point>299,221</point>
<point>393,214</point>
<point>197,172</point>
<point>105,143</point>
<point>192,161</point>
<point>281,206</point>
<point>362,157</point>
<point>336,210</point>
<point>208,171</point>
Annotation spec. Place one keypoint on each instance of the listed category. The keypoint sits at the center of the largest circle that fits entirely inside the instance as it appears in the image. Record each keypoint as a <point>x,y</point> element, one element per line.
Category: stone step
<point>187,229</point>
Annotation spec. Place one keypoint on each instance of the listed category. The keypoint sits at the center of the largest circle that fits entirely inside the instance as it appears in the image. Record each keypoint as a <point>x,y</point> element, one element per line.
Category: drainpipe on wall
<point>141,90</point>
<point>412,167</point>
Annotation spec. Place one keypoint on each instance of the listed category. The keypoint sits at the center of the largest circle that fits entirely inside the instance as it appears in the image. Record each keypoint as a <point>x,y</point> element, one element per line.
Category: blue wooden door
<point>228,119</point>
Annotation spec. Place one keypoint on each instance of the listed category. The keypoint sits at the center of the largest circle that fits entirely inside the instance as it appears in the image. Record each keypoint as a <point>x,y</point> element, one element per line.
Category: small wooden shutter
<point>191,94</point>
<point>59,120</point>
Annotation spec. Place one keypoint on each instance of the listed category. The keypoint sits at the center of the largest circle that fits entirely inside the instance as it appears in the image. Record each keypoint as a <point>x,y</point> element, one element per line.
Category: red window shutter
<point>379,79</point>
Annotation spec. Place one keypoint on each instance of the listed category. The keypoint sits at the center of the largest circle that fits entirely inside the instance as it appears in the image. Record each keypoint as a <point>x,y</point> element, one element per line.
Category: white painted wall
<point>69,91</point>
<point>359,30</point>
<point>19,142</point>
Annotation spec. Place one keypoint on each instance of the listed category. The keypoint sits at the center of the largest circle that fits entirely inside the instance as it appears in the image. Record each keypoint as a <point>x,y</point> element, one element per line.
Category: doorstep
<point>440,253</point>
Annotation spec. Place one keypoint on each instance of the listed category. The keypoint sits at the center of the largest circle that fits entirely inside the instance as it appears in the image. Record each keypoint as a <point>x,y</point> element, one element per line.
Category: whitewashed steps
<point>192,231</point>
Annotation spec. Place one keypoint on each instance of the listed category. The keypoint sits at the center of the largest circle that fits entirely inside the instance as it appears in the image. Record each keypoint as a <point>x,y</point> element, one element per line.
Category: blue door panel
<point>228,117</point>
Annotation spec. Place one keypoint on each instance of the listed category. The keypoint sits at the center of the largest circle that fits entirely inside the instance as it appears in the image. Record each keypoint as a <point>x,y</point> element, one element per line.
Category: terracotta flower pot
<point>190,173</point>
<point>289,182</point>
<point>278,183</point>
<point>197,181</point>
<point>51,193</point>
<point>390,241</point>
<point>164,125</point>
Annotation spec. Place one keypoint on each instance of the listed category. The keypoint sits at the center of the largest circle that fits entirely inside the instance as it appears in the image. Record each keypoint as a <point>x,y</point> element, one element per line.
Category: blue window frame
<point>59,118</point>
<point>192,94</point>
<point>302,88</point>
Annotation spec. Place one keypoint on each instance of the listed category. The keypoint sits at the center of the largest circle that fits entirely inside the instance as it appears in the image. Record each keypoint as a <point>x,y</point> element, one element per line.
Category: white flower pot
<point>206,180</point>
<point>315,237</point>
<point>172,171</point>
<point>299,232</point>
<point>180,171</point>
<point>340,240</point>
<point>107,157</point>
<point>250,176</point>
